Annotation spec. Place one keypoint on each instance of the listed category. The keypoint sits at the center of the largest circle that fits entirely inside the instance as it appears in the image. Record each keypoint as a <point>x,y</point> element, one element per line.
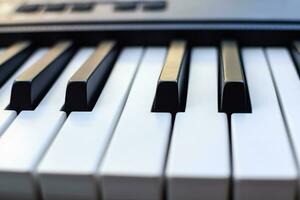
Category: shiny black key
<point>12,58</point>
<point>154,5</point>
<point>171,87</point>
<point>125,6</point>
<point>82,7</point>
<point>233,91</point>
<point>32,85</point>
<point>86,84</point>
<point>28,8</point>
<point>55,7</point>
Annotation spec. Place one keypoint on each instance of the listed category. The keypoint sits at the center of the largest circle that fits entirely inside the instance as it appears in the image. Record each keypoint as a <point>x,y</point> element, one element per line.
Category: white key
<point>69,167</point>
<point>199,161</point>
<point>287,83</point>
<point>134,163</point>
<point>27,138</point>
<point>263,162</point>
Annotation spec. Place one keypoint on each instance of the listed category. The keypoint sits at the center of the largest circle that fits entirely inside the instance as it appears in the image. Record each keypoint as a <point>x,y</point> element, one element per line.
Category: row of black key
<point>85,85</point>
<point>83,88</point>
<point>172,84</point>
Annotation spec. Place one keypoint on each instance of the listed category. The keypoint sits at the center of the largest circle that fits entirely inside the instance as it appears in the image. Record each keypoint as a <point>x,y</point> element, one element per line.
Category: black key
<point>295,51</point>
<point>82,7</point>
<point>12,58</point>
<point>171,87</point>
<point>55,7</point>
<point>86,84</point>
<point>125,6</point>
<point>233,91</point>
<point>28,8</point>
<point>153,5</point>
<point>32,85</point>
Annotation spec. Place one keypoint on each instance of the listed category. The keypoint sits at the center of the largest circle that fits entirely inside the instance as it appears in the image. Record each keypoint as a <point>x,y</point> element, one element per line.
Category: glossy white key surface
<point>134,163</point>
<point>6,118</point>
<point>26,140</point>
<point>69,168</point>
<point>287,82</point>
<point>199,162</point>
<point>263,162</point>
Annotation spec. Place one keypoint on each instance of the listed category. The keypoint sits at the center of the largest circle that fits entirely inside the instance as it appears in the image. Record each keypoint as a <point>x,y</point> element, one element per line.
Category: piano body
<point>149,100</point>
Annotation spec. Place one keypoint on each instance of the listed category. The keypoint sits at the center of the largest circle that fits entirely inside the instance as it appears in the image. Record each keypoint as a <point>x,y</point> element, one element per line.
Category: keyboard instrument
<point>149,100</point>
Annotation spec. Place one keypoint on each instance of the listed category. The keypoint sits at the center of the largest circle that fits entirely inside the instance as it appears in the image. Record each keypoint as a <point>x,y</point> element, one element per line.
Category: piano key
<point>134,162</point>
<point>125,5</point>
<point>26,140</point>
<point>55,7</point>
<point>154,5</point>
<point>295,51</point>
<point>171,87</point>
<point>263,164</point>
<point>198,164</point>
<point>7,116</point>
<point>5,89</point>
<point>86,84</point>
<point>233,88</point>
<point>12,58</point>
<point>287,84</point>
<point>56,102</point>
<point>28,8</point>
<point>31,86</point>
<point>66,170</point>
<point>82,7</point>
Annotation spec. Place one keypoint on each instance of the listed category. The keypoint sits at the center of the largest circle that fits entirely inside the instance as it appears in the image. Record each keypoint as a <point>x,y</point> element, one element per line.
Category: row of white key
<point>30,134</point>
<point>69,168</point>
<point>119,151</point>
<point>263,164</point>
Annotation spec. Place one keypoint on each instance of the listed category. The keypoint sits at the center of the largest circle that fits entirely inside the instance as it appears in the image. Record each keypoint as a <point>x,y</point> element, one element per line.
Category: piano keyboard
<point>173,122</point>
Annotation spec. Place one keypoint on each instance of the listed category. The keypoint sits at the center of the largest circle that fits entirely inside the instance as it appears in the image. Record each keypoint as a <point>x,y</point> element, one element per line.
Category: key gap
<point>284,121</point>
<point>164,182</point>
<point>231,185</point>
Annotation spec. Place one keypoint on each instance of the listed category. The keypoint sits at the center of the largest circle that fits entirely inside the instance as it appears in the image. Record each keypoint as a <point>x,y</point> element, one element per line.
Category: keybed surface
<point>237,137</point>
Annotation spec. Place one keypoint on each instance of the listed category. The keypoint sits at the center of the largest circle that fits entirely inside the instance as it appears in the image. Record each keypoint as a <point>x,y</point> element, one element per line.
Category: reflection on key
<point>171,87</point>
<point>31,86</point>
<point>82,141</point>
<point>263,162</point>
<point>86,84</point>
<point>198,164</point>
<point>12,58</point>
<point>234,96</point>
<point>133,166</point>
<point>25,141</point>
